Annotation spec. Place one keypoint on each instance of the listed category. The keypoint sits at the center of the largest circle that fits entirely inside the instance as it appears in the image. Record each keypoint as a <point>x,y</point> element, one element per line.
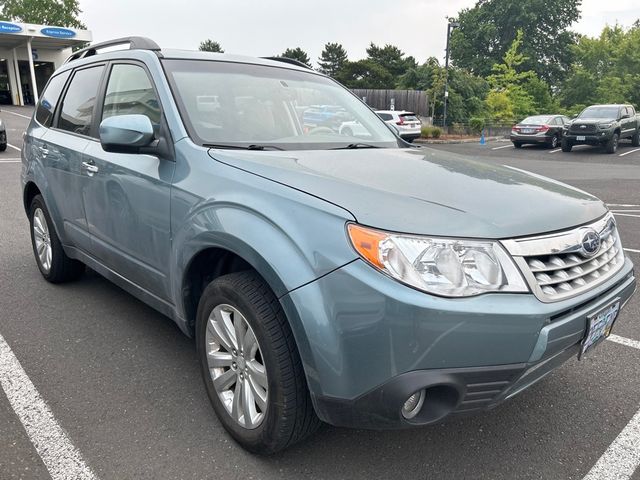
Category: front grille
<point>557,266</point>
<point>581,128</point>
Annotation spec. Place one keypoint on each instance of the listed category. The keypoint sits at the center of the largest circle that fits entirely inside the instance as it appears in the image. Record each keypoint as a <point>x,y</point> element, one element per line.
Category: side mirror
<point>126,133</point>
<point>626,115</point>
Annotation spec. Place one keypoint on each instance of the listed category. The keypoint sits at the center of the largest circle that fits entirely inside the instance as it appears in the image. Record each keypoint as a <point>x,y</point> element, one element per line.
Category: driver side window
<point>129,92</point>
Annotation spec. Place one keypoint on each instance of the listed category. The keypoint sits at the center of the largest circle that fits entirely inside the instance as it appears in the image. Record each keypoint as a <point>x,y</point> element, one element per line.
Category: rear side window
<point>50,97</point>
<point>130,91</point>
<point>80,101</point>
<point>385,116</point>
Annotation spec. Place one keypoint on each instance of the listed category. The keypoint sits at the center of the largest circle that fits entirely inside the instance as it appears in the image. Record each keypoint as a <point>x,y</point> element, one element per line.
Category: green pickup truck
<point>603,125</point>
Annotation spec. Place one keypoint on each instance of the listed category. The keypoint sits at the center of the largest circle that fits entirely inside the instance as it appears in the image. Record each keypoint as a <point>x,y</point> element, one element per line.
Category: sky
<point>268,27</point>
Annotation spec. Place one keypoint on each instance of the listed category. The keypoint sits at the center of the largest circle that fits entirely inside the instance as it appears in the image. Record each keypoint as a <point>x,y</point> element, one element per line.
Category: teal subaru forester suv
<point>345,278</point>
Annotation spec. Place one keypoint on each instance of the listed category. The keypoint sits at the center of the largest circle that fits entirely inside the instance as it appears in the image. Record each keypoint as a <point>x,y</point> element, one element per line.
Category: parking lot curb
<point>425,141</point>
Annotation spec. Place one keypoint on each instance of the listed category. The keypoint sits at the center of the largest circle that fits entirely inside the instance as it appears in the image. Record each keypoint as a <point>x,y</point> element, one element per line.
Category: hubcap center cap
<point>241,363</point>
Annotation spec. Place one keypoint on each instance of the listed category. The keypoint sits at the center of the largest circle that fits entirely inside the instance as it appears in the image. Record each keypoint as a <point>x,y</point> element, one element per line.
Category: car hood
<point>592,121</point>
<point>425,191</point>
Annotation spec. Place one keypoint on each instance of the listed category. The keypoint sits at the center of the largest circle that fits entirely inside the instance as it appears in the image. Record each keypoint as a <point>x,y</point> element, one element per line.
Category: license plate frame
<point>581,138</point>
<point>599,327</point>
<point>527,130</point>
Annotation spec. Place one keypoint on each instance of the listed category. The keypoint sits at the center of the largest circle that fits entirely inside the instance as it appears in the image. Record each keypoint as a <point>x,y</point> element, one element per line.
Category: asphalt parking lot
<point>123,383</point>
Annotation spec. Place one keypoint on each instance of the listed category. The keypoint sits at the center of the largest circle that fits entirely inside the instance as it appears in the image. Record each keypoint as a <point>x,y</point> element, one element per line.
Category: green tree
<point>63,13</point>
<point>391,58</point>
<point>209,45</point>
<point>488,29</point>
<point>510,82</point>
<point>365,74</point>
<point>297,54</point>
<point>332,59</point>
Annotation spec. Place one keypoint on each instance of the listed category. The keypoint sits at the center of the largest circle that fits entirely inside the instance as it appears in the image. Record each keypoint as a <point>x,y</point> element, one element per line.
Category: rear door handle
<point>44,150</point>
<point>90,168</point>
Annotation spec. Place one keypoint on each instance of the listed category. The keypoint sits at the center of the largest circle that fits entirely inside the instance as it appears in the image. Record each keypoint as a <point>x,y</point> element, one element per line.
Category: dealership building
<point>29,54</point>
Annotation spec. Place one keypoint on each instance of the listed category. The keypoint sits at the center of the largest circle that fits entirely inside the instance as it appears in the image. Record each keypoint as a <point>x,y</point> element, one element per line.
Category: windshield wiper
<point>241,147</point>
<point>353,146</point>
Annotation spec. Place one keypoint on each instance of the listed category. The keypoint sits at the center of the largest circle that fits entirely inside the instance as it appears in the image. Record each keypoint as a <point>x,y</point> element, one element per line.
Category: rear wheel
<point>553,143</point>
<point>635,140</point>
<point>566,145</point>
<point>517,144</point>
<point>53,263</point>
<point>612,145</point>
<point>250,364</point>
<point>3,146</point>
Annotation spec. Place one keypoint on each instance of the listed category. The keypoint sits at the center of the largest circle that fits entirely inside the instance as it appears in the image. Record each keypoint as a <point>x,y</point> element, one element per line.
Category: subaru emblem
<point>590,243</point>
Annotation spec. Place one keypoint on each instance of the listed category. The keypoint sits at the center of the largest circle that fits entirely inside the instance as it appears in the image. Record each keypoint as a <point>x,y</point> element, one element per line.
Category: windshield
<point>599,112</point>
<point>245,105</point>
<point>537,120</point>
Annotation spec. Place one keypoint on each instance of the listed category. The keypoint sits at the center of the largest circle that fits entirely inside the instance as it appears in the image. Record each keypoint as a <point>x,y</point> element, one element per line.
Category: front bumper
<point>373,342</point>
<point>597,138</point>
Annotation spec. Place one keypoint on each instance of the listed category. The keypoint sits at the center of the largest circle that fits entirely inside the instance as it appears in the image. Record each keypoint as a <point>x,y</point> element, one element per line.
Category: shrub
<point>426,131</point>
<point>477,125</point>
<point>436,132</point>
<point>458,128</point>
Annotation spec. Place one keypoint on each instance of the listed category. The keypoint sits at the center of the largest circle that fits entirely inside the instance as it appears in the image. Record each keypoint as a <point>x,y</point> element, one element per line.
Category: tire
<point>3,146</point>
<point>554,142</point>
<point>517,144</point>
<point>612,145</point>
<point>54,265</point>
<point>288,415</point>
<point>566,146</point>
<point>635,140</point>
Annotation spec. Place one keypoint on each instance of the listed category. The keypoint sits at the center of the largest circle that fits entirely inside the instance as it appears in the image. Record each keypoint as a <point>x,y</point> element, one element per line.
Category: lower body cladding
<point>381,355</point>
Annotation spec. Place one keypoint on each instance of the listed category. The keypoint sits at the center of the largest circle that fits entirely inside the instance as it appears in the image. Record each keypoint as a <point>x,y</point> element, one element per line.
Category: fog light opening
<point>413,405</point>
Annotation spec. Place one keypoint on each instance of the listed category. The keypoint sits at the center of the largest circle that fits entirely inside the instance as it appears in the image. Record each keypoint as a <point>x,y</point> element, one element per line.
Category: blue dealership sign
<point>58,32</point>
<point>6,27</point>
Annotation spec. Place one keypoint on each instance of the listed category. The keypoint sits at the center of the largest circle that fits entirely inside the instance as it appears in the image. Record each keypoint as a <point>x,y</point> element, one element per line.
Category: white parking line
<point>631,250</point>
<point>62,459</point>
<point>504,146</point>
<point>625,211</point>
<point>18,114</point>
<point>556,150</point>
<point>14,147</point>
<point>624,341</point>
<point>625,205</point>
<point>630,151</point>
<point>10,160</point>
<point>622,457</point>
<point>626,215</point>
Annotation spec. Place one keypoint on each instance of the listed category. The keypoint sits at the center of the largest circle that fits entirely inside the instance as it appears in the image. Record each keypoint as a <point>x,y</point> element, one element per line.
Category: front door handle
<point>44,150</point>
<point>90,168</point>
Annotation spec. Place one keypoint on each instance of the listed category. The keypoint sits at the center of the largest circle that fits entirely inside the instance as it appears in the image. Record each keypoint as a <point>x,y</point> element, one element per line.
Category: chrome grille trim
<point>554,266</point>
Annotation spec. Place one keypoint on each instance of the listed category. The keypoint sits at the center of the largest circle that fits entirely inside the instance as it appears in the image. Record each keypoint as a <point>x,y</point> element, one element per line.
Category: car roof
<point>398,112</point>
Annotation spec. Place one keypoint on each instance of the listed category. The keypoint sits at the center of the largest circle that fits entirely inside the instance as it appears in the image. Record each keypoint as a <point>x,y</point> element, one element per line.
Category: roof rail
<point>135,43</point>
<point>290,61</point>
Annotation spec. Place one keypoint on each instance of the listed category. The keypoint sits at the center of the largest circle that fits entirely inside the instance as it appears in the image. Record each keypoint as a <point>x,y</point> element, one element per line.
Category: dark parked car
<point>546,129</point>
<point>603,125</point>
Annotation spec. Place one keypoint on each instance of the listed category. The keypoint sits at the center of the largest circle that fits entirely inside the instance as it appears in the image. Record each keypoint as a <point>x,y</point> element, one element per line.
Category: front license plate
<point>599,326</point>
<point>581,138</point>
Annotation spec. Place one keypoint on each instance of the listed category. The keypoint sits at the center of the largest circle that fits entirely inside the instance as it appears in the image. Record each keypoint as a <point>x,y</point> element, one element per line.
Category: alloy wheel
<point>236,366</point>
<point>42,239</point>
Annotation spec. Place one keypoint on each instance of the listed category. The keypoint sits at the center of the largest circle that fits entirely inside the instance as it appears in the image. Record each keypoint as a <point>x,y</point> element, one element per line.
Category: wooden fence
<point>416,101</point>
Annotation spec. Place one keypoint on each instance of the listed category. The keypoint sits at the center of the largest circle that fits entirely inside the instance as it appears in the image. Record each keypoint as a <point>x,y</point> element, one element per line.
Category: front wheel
<point>250,364</point>
<point>517,144</point>
<point>3,146</point>
<point>635,140</point>
<point>612,145</point>
<point>566,146</point>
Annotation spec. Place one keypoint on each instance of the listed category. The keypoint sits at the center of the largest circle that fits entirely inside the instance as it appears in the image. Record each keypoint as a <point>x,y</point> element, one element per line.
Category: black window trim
<point>92,129</point>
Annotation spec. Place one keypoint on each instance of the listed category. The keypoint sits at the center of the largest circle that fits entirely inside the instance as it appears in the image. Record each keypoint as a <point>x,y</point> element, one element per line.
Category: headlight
<point>604,126</point>
<point>442,266</point>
